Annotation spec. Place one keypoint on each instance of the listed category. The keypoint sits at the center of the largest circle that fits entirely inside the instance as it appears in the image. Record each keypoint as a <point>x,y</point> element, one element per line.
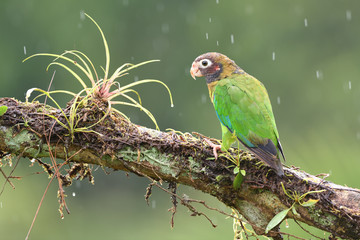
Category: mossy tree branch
<point>185,159</point>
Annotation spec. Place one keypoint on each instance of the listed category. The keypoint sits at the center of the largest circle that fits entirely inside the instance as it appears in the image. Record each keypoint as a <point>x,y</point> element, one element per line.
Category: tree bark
<point>31,129</point>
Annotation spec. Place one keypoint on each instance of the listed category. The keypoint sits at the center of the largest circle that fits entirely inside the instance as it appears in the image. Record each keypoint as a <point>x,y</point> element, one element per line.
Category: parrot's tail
<point>269,155</point>
<point>269,159</point>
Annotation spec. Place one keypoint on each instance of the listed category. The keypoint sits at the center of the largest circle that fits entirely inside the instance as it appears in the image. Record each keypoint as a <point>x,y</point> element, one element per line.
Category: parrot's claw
<point>215,147</point>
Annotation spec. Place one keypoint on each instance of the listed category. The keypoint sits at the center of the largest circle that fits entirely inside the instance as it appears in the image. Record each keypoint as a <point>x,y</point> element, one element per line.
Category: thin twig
<point>7,177</point>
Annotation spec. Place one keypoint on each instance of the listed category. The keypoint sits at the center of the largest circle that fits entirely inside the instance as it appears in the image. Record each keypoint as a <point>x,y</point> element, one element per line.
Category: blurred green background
<point>307,53</point>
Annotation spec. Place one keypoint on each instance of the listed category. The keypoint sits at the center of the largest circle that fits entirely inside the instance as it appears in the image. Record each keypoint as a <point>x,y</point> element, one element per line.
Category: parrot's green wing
<point>242,105</point>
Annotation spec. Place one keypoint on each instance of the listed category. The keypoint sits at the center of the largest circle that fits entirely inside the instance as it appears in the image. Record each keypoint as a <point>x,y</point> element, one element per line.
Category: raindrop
<point>349,85</point>
<point>0,204</point>
<point>33,160</point>
<point>132,58</point>
<point>249,9</point>
<point>73,194</point>
<point>136,78</point>
<point>172,105</point>
<point>191,18</point>
<point>209,19</point>
<point>217,1</point>
<point>160,7</point>
<point>203,98</point>
<point>165,27</point>
<point>217,43</point>
<point>207,36</point>
<point>125,2</point>
<point>232,38</point>
<point>348,15</point>
<point>358,135</point>
<point>278,100</point>
<point>82,15</point>
<point>273,56</point>
<point>153,204</point>
<point>305,22</point>
<point>319,74</point>
<point>24,50</point>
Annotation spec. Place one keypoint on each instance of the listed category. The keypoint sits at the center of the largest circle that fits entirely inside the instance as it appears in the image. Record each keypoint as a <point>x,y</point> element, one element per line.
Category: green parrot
<point>243,107</point>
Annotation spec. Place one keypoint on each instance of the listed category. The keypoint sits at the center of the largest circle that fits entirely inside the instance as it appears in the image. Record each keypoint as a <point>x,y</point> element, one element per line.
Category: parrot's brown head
<point>213,66</point>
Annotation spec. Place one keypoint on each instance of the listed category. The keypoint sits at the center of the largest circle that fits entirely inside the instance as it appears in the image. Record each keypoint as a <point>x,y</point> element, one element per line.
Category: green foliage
<point>298,199</point>
<point>99,89</point>
<point>3,110</point>
<point>277,219</point>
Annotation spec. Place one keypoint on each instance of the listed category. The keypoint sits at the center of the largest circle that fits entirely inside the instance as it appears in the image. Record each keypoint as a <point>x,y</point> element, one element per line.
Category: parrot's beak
<point>194,71</point>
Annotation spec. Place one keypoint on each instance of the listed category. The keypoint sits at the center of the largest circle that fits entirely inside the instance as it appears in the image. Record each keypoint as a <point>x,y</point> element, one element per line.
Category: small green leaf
<point>309,203</point>
<point>3,110</point>
<point>236,170</point>
<point>294,211</point>
<point>243,172</point>
<point>238,180</point>
<point>276,220</point>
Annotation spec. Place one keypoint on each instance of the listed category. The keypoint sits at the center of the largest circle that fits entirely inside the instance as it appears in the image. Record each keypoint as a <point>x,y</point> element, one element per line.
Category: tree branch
<point>186,159</point>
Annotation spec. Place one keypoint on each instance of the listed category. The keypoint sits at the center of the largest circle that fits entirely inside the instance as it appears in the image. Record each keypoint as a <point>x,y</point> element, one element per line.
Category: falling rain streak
<point>210,20</point>
<point>82,15</point>
<point>217,43</point>
<point>24,50</point>
<point>73,194</point>
<point>348,15</point>
<point>319,74</point>
<point>278,100</point>
<point>349,85</point>
<point>207,36</point>
<point>217,1</point>
<point>273,56</point>
<point>232,38</point>
<point>305,22</point>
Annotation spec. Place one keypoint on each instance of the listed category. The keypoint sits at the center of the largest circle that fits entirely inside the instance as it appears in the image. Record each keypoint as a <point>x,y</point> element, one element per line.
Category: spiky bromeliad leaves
<point>243,107</point>
<point>104,89</point>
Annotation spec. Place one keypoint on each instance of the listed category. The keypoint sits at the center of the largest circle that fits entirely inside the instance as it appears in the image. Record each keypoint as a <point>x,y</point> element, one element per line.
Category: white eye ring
<point>204,63</point>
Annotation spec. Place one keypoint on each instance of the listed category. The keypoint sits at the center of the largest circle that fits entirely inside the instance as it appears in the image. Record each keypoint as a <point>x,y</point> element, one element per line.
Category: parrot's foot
<point>215,147</point>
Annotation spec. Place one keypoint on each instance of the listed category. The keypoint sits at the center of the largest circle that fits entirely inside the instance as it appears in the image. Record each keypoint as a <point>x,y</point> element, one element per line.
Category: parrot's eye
<point>205,63</point>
